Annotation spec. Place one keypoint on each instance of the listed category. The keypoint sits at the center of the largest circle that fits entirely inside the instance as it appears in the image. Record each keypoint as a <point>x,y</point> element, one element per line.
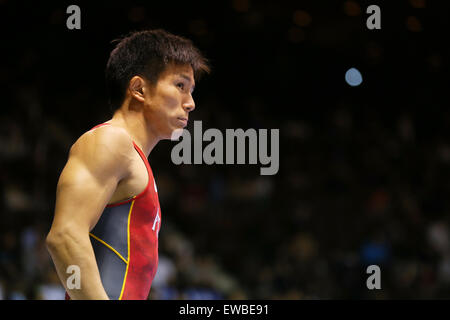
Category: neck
<point>138,128</point>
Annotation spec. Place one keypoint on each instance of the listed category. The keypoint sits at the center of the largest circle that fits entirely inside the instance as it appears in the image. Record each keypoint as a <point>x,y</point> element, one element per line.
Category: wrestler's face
<point>169,102</point>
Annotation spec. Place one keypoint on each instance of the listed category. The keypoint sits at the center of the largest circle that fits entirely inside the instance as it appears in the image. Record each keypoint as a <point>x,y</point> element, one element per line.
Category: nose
<point>189,105</point>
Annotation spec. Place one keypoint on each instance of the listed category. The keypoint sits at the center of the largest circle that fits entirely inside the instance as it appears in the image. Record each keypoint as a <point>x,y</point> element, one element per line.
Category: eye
<point>180,85</point>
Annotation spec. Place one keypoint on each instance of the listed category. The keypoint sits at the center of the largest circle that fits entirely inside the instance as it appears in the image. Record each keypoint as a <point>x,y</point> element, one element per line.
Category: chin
<point>173,132</point>
<point>176,134</point>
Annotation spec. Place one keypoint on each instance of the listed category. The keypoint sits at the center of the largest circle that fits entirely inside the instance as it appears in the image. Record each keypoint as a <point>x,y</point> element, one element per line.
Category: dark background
<point>364,171</point>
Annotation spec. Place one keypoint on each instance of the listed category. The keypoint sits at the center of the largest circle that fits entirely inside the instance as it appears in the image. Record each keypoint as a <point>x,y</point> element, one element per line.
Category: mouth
<point>183,121</point>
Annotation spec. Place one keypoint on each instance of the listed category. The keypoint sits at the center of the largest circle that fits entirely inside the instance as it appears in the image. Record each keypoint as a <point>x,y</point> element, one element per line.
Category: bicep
<point>96,164</point>
<point>82,195</point>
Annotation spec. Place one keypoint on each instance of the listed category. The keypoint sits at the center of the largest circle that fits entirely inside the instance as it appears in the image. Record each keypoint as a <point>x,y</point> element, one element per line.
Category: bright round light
<point>353,77</point>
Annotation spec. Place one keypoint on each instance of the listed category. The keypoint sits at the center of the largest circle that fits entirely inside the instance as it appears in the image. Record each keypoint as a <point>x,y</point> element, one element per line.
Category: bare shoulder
<point>104,148</point>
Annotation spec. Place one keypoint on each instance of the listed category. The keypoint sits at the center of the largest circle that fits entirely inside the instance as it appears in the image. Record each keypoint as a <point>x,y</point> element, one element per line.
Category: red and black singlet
<point>125,242</point>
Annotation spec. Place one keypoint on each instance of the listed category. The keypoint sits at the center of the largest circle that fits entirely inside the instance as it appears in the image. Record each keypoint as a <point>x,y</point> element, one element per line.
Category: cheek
<point>170,103</point>
<point>173,100</point>
<point>165,105</point>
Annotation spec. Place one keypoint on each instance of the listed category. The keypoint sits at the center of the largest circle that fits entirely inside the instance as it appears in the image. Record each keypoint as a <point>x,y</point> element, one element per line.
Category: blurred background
<point>364,173</point>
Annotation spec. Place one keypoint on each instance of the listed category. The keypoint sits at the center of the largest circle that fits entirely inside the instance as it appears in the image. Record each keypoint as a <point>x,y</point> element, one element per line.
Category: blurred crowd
<point>353,190</point>
<point>364,172</point>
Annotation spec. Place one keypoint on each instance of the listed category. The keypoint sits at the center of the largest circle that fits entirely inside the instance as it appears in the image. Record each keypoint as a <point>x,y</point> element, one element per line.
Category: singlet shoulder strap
<point>136,147</point>
<point>150,179</point>
<point>100,125</point>
<point>145,160</point>
<point>147,166</point>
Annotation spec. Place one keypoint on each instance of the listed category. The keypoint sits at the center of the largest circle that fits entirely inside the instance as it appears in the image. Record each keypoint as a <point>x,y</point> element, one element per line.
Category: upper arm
<point>96,164</point>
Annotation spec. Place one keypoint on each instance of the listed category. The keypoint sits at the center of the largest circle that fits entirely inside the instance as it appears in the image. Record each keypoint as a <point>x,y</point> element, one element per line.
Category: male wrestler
<point>107,213</point>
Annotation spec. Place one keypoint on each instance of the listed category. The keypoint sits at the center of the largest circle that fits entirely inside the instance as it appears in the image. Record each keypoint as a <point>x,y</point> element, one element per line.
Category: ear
<point>136,88</point>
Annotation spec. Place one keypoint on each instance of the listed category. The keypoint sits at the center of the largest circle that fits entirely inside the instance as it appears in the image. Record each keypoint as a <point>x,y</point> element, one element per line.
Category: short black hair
<point>147,53</point>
